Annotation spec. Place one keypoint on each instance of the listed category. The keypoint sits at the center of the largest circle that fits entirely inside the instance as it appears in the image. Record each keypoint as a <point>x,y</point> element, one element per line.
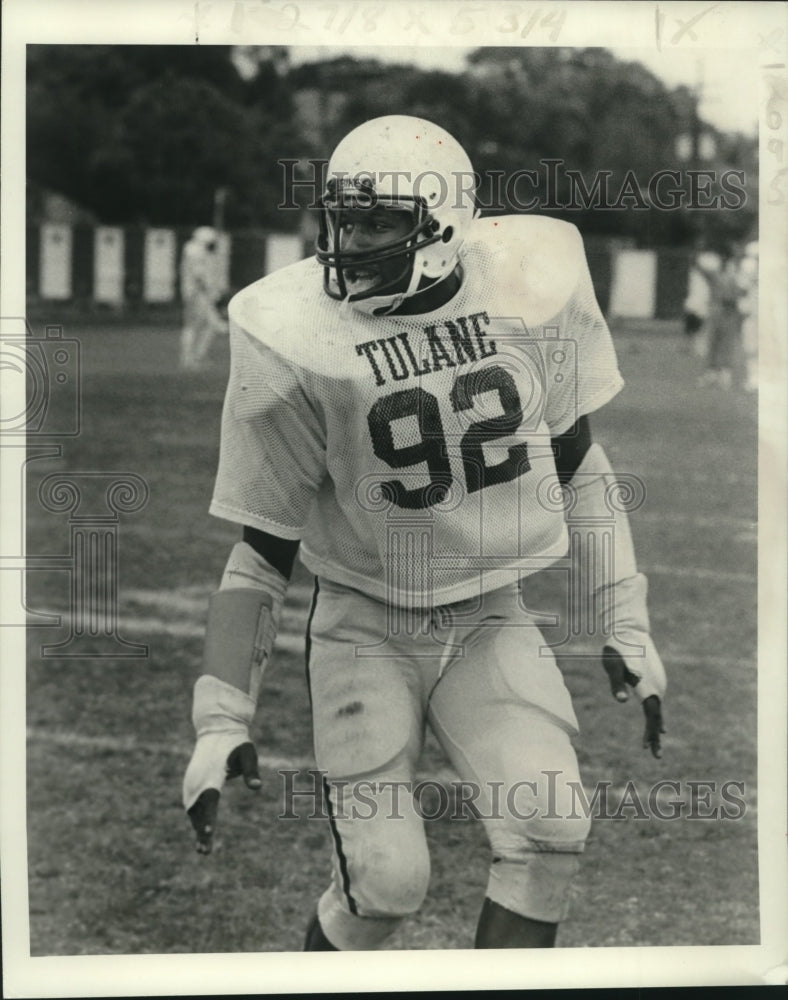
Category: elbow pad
<point>243,616</point>
<point>242,621</point>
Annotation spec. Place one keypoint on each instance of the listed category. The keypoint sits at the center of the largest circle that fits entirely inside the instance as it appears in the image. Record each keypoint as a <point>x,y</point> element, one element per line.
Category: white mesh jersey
<point>411,454</point>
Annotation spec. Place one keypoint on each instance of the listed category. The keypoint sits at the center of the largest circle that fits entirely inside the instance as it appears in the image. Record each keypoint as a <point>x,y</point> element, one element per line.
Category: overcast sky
<point>730,90</point>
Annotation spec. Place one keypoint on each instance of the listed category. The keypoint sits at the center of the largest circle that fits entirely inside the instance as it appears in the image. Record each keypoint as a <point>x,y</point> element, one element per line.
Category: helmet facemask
<point>344,197</point>
<point>421,171</point>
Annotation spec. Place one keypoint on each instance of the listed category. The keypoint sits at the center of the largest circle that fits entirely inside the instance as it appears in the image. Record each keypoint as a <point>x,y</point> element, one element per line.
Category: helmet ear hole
<point>448,232</point>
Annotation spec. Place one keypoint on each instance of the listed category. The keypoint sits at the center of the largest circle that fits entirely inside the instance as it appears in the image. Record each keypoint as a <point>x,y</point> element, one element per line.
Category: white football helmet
<point>404,164</point>
<point>205,237</point>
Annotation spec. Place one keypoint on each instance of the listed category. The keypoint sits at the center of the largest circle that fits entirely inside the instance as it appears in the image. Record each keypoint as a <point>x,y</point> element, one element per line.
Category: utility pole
<point>701,147</point>
<point>219,204</point>
<point>695,123</point>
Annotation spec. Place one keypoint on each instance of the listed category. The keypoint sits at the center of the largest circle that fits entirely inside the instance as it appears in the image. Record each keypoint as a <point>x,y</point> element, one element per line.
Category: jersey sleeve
<point>272,457</point>
<point>582,375</point>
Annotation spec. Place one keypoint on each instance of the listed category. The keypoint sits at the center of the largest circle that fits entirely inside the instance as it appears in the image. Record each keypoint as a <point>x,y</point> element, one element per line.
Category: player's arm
<point>569,449</point>
<point>618,591</point>
<point>242,621</point>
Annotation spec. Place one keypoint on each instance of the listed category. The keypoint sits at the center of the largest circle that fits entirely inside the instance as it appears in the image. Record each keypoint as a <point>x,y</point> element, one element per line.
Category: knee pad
<point>535,858</point>
<point>390,880</point>
<point>358,913</point>
<point>381,862</point>
<point>349,932</point>
<point>548,814</point>
<point>564,833</point>
<point>536,885</point>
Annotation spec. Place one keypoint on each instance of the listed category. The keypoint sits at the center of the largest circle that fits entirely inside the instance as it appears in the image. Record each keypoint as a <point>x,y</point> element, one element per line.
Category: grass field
<point>111,864</point>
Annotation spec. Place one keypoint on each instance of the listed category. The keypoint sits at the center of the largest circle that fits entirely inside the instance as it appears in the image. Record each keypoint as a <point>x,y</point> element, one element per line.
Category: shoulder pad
<point>259,304</point>
<point>289,313</point>
<point>538,262</point>
<point>283,310</point>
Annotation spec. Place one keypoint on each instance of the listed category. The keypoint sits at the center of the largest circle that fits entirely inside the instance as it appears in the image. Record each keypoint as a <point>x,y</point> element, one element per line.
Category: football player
<point>401,411</point>
<point>725,318</point>
<point>200,290</point>
<point>748,306</point>
<point>696,304</point>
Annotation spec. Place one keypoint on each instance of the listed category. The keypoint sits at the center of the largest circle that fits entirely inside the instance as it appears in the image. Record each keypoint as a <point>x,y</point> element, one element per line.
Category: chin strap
<point>384,305</point>
<point>377,305</point>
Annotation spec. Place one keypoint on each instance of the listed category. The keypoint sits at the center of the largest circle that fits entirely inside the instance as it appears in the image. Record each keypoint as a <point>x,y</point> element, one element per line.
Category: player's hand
<point>655,726</point>
<point>217,757</point>
<point>621,677</point>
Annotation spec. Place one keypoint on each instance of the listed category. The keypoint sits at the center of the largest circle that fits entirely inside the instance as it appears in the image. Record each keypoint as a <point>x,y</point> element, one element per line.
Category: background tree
<point>149,133</point>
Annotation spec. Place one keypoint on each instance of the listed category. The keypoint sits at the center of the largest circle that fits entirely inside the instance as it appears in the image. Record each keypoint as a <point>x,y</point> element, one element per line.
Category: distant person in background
<point>725,321</point>
<point>748,306</point>
<point>697,303</point>
<point>200,292</point>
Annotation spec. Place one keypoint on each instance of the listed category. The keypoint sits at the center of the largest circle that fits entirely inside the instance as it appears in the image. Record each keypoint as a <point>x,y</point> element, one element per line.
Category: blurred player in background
<point>696,304</point>
<point>748,306</point>
<point>201,288</point>
<point>725,320</point>
<point>404,409</point>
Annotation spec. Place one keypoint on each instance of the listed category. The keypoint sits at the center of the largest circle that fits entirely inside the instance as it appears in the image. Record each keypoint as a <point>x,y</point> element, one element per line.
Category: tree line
<point>150,134</point>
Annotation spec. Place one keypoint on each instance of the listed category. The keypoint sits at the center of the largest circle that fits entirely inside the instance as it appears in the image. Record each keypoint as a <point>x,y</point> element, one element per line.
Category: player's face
<point>367,230</point>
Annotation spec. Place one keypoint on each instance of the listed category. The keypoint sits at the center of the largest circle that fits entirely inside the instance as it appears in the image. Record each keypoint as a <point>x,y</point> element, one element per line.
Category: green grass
<point>111,865</point>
